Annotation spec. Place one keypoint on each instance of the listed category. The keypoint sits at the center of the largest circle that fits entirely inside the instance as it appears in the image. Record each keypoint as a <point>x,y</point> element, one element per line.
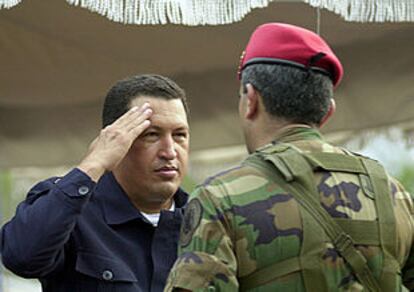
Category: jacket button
<point>107,275</point>
<point>83,190</point>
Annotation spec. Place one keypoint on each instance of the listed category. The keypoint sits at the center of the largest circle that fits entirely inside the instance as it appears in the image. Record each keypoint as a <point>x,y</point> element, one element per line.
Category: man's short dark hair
<point>118,100</point>
<point>296,95</point>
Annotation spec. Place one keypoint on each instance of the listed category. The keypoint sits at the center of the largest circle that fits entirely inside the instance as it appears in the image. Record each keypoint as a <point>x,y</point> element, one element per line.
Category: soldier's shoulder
<point>240,171</point>
<point>242,179</point>
<point>398,191</point>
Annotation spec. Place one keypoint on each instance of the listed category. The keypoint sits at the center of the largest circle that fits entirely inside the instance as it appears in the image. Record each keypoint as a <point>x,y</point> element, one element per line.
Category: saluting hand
<point>114,141</point>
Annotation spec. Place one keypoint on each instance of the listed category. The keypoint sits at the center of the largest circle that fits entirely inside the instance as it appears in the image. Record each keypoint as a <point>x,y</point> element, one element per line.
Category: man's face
<point>157,161</point>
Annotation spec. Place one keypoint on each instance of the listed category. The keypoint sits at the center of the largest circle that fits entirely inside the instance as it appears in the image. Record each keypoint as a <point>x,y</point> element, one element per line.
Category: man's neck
<point>274,132</point>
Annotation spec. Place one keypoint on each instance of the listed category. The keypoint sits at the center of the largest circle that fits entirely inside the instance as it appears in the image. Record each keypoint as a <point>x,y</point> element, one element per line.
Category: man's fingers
<point>139,128</point>
<point>126,118</point>
<point>131,124</point>
<point>137,120</point>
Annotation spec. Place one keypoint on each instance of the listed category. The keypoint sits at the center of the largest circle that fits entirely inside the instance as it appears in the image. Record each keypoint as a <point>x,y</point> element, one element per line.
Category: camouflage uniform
<point>240,222</point>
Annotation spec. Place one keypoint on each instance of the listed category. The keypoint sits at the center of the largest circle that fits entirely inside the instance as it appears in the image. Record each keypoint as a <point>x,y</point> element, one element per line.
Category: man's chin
<point>165,189</point>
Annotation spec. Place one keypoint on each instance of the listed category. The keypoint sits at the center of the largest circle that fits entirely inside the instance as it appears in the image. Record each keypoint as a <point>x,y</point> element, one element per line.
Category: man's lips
<point>167,171</point>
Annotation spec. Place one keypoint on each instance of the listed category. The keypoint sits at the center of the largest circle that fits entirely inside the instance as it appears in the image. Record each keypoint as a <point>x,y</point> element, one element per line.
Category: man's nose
<point>168,150</point>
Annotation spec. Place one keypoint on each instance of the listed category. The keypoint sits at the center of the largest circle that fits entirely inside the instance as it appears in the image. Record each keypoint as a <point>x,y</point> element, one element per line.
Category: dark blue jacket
<point>77,236</point>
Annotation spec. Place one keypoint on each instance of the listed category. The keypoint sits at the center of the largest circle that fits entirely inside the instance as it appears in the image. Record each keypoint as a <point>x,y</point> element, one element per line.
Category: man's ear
<point>331,111</point>
<point>252,106</point>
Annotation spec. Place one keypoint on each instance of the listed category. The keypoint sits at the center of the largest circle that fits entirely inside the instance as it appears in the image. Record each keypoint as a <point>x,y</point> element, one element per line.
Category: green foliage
<point>5,194</point>
<point>406,177</point>
<point>188,184</point>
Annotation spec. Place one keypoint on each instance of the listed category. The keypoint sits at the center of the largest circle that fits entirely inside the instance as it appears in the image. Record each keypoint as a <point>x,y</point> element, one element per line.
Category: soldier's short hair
<point>296,95</point>
<point>118,99</point>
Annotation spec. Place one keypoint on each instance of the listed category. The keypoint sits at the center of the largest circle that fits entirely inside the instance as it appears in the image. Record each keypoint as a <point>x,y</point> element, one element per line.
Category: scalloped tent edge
<point>218,12</point>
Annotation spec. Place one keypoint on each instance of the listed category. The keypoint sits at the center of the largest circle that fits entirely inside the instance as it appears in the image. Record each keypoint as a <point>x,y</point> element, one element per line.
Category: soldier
<point>298,214</point>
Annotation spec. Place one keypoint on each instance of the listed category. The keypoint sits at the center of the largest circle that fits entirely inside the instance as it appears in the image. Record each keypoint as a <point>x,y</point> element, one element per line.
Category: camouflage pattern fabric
<point>239,222</point>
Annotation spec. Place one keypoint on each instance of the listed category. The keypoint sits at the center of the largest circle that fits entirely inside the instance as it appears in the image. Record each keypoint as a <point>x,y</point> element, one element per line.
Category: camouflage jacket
<point>239,222</point>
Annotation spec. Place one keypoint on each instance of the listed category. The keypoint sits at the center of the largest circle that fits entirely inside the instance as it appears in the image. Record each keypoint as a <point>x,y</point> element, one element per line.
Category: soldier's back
<point>274,236</point>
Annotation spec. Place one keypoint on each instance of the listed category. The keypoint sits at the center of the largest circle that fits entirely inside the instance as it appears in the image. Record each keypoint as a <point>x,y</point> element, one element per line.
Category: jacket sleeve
<point>206,259</point>
<point>32,242</point>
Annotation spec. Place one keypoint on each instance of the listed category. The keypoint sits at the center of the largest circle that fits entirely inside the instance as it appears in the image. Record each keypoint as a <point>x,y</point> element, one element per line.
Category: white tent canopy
<point>58,61</point>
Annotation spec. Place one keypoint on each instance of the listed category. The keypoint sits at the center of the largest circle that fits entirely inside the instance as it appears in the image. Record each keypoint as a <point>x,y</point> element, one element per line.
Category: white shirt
<point>153,218</point>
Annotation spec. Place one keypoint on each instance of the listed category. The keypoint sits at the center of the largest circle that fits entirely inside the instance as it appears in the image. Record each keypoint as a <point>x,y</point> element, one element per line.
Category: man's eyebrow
<point>158,128</point>
<point>186,128</point>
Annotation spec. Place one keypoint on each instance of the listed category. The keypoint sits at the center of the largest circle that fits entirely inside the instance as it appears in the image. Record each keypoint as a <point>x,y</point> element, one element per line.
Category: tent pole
<point>318,21</point>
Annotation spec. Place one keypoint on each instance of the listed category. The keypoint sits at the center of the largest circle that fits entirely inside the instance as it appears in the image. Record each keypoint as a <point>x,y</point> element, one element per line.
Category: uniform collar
<point>297,132</point>
<point>117,207</point>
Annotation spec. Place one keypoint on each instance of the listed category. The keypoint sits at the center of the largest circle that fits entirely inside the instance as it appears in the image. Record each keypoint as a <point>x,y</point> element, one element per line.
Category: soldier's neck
<point>274,131</point>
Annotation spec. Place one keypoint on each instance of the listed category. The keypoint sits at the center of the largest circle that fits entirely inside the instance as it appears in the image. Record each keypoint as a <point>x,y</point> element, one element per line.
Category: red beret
<point>279,43</point>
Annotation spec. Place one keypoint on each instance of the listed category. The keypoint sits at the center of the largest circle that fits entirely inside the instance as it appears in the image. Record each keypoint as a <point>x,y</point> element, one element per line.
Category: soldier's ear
<point>252,102</point>
<point>331,111</point>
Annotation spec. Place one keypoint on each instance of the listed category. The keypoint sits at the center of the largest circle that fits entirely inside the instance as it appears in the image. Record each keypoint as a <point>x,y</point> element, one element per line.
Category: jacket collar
<point>297,132</point>
<point>117,207</point>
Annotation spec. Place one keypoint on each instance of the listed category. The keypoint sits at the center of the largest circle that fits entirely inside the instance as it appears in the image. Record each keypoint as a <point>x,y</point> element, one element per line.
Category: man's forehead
<point>141,99</point>
<point>157,102</point>
<point>167,113</point>
<point>172,122</point>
